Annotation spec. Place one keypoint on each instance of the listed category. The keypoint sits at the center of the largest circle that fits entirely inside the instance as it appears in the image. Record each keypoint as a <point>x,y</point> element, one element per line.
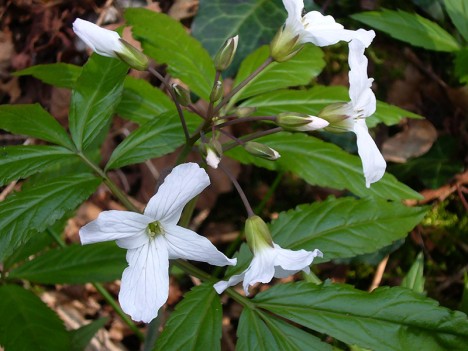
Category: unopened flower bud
<point>213,151</point>
<point>285,45</point>
<point>182,95</point>
<point>226,53</point>
<point>133,57</point>
<point>338,116</point>
<point>217,91</point>
<point>257,234</point>
<point>261,150</point>
<point>300,122</point>
<point>244,111</point>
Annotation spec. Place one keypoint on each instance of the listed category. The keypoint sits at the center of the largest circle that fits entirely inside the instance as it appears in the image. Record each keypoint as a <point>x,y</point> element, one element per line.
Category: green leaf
<point>80,338</point>
<point>34,121</point>
<point>155,138</point>
<point>323,164</point>
<point>196,322</point>
<point>389,115</point>
<point>300,70</point>
<point>166,41</point>
<point>458,12</point>
<point>410,28</point>
<point>21,161</point>
<point>141,102</point>
<point>461,65</point>
<point>74,264</point>
<point>33,210</point>
<point>61,75</point>
<point>28,324</point>
<point>94,98</point>
<point>415,278</point>
<point>386,319</point>
<point>263,332</point>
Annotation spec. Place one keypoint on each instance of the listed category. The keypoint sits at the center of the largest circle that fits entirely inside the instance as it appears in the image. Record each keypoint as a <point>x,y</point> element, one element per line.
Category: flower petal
<point>188,245</point>
<point>128,228</point>
<point>294,9</point>
<point>145,282</point>
<point>373,163</point>
<point>184,183</point>
<point>261,269</point>
<point>223,284</point>
<point>290,261</point>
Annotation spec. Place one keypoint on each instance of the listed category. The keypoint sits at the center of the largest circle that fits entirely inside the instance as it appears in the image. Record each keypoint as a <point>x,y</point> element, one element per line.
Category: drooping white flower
<point>212,159</point>
<point>300,122</point>
<point>270,260</point>
<point>152,238</point>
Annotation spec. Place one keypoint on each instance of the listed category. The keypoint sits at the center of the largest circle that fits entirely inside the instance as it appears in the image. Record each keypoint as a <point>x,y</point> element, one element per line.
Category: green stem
<point>209,113</point>
<point>246,119</point>
<point>252,137</point>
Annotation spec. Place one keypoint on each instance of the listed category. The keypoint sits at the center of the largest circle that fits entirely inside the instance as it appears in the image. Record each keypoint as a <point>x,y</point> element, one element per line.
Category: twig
<point>379,274</point>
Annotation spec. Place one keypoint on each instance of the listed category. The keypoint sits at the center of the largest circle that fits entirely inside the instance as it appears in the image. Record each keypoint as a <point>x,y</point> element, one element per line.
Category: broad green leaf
<point>141,102</point>
<point>80,338</point>
<point>94,98</point>
<point>458,12</point>
<point>313,100</point>
<point>166,41</point>
<point>386,319</point>
<point>33,210</point>
<point>299,70</point>
<point>196,322</point>
<point>155,138</point>
<point>255,21</point>
<point>410,28</point>
<point>32,120</point>
<point>28,324</point>
<point>62,75</point>
<point>21,161</point>
<point>323,164</point>
<point>74,264</point>
<point>268,333</point>
<point>414,280</point>
<point>461,65</point>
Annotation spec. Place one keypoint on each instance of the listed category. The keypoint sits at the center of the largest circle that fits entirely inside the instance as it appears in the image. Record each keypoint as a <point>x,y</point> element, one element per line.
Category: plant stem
<point>246,119</point>
<point>252,137</point>
<point>209,113</point>
<point>236,184</point>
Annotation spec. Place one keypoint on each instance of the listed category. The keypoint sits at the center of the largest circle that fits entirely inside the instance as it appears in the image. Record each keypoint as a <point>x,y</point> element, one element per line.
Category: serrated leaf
<point>166,41</point>
<point>324,164</point>
<point>313,100</point>
<point>81,337</point>
<point>62,75</point>
<point>458,12</point>
<point>141,102</point>
<point>299,70</point>
<point>74,264</point>
<point>21,161</point>
<point>155,138</point>
<point>24,213</point>
<point>96,94</point>
<point>273,334</point>
<point>28,324</point>
<point>196,322</point>
<point>410,28</point>
<point>414,280</point>
<point>34,121</point>
<point>386,319</point>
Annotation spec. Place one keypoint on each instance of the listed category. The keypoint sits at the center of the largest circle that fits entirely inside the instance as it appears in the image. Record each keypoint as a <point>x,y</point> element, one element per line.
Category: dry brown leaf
<point>182,9</point>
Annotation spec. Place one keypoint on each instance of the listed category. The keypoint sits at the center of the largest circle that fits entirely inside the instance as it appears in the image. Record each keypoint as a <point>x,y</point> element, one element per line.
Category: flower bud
<point>300,122</point>
<point>213,151</point>
<point>182,95</point>
<point>257,234</point>
<point>261,150</point>
<point>338,116</point>
<point>217,91</point>
<point>133,57</point>
<point>284,45</point>
<point>244,111</point>
<point>226,53</point>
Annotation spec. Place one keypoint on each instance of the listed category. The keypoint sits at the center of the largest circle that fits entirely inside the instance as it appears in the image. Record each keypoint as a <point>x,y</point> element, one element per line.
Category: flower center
<point>155,228</point>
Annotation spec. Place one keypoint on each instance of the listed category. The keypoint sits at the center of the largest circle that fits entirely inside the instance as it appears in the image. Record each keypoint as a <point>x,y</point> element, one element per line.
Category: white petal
<point>314,124</point>
<point>212,159</point>
<point>184,183</point>
<point>128,228</point>
<point>373,163</point>
<point>261,269</point>
<point>103,41</point>
<point>223,285</point>
<point>145,282</point>
<point>291,261</point>
<point>294,9</point>
<point>188,245</point>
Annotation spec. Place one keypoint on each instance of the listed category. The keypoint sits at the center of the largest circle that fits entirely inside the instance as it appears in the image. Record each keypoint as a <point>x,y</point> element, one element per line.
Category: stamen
<point>154,228</point>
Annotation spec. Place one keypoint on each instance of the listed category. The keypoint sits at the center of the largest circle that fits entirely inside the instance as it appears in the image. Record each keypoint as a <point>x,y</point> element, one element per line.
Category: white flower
<point>318,29</point>
<point>212,159</point>
<point>152,239</point>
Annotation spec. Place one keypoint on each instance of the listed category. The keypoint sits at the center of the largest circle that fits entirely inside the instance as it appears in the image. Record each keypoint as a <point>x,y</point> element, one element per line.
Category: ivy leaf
<point>94,98</point>
<point>28,324</point>
<point>34,121</point>
<point>410,28</point>
<point>458,12</point>
<point>33,210</point>
<point>21,161</point>
<point>74,264</point>
<point>81,337</point>
<point>155,138</point>
<point>323,164</point>
<point>61,75</point>
<point>166,41</point>
<point>386,319</point>
<point>196,322</point>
